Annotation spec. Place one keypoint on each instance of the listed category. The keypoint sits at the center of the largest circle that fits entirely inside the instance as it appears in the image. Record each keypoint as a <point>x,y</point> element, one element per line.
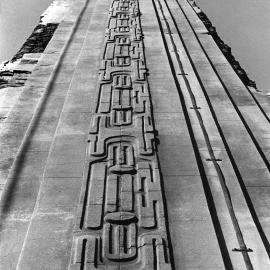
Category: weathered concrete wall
<point>134,144</point>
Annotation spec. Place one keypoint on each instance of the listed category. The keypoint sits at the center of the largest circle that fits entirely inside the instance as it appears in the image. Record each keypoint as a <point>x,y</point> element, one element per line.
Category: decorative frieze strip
<point>121,217</point>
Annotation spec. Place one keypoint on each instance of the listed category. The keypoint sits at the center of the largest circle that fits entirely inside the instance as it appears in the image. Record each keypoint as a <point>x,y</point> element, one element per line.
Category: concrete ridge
<point>44,87</point>
<point>135,145</point>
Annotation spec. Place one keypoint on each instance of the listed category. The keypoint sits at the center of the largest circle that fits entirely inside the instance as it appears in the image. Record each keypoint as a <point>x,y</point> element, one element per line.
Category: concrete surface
<point>134,145</point>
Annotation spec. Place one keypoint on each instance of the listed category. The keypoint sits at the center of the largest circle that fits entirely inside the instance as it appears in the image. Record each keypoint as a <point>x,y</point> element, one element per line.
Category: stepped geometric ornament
<point>121,221</point>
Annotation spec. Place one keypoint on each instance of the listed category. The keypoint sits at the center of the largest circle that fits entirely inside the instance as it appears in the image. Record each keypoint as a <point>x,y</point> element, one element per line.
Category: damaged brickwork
<point>226,49</point>
<point>21,64</point>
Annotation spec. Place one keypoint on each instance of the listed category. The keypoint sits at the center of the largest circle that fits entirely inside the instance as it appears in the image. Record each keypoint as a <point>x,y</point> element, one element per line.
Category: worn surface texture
<point>134,145</point>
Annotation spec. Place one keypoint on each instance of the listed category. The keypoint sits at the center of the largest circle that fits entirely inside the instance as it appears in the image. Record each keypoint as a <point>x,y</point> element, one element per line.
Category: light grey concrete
<point>134,145</point>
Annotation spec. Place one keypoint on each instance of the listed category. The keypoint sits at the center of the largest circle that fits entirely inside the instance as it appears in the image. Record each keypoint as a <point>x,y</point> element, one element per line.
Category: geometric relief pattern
<point>121,222</point>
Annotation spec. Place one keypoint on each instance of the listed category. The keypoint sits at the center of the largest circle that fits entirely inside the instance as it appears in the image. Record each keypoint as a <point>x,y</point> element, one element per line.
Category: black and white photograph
<point>134,135</point>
